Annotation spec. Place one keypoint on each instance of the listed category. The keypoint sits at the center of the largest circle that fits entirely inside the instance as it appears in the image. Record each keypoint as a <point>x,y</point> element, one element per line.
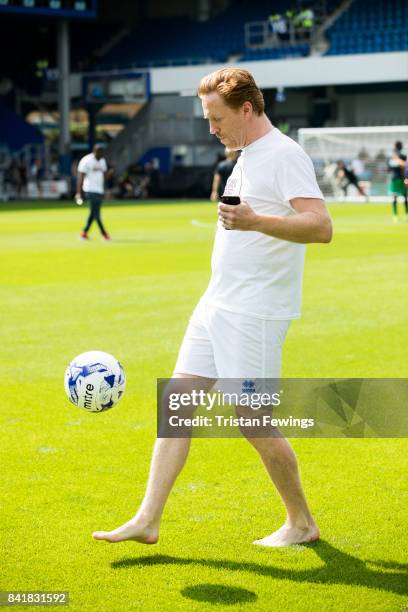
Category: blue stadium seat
<point>180,39</point>
<point>366,27</point>
<point>372,27</point>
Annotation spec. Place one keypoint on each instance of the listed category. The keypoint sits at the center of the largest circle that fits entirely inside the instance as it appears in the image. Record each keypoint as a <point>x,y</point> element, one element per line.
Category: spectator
<point>396,166</point>
<point>110,181</point>
<point>347,177</point>
<point>125,185</point>
<point>37,175</point>
<point>330,179</point>
<point>279,25</point>
<point>151,180</point>
<point>20,174</point>
<point>54,169</point>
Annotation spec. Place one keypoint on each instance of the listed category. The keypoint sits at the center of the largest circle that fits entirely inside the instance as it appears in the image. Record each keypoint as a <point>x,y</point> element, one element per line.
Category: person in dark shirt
<point>396,167</point>
<point>222,173</point>
<point>347,177</point>
<point>151,180</point>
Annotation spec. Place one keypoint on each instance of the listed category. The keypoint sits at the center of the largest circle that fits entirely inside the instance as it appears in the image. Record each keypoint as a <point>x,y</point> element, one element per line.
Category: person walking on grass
<point>92,170</point>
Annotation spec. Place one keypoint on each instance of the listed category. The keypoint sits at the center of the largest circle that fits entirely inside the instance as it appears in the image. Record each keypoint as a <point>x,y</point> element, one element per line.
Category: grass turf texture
<point>65,472</point>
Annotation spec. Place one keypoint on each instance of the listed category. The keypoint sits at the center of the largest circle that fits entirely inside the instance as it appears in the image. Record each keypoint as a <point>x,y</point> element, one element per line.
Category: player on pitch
<point>92,170</point>
<point>239,326</point>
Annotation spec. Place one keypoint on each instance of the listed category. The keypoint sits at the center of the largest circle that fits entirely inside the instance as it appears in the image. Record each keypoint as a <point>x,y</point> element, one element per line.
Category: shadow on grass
<point>339,568</point>
<point>218,594</point>
<point>389,564</point>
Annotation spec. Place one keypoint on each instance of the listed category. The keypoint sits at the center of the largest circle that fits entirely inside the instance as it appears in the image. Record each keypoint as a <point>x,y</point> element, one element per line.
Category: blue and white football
<point>95,381</point>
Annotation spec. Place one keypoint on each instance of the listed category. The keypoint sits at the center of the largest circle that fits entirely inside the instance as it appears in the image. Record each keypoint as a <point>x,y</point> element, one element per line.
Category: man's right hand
<point>78,199</point>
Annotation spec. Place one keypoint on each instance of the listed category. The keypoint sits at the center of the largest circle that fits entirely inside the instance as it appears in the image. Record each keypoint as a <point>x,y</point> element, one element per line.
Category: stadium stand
<point>181,41</point>
<point>177,40</point>
<point>372,27</point>
<point>88,43</point>
<point>300,50</point>
<point>15,132</point>
<point>363,28</point>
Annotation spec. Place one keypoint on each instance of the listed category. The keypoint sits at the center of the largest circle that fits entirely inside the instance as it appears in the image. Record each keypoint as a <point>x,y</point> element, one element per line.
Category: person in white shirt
<point>238,327</point>
<point>92,170</point>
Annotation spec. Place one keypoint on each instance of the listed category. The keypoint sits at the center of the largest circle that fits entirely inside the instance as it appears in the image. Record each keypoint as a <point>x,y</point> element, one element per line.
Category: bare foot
<point>287,535</point>
<point>136,529</point>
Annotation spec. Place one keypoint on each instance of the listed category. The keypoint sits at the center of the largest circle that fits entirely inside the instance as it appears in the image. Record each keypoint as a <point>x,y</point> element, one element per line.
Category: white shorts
<point>223,344</point>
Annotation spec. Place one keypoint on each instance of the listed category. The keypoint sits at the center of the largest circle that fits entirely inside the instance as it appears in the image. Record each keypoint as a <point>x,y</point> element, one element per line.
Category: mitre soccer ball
<point>94,381</point>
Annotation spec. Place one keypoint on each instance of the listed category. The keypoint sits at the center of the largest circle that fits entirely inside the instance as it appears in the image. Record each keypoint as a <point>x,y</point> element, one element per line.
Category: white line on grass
<point>201,223</point>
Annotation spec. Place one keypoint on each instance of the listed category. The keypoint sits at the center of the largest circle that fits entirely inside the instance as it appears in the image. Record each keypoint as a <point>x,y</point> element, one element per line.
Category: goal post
<point>365,150</point>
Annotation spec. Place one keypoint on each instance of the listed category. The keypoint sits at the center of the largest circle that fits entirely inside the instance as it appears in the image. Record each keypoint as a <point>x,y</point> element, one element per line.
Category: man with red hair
<point>238,328</point>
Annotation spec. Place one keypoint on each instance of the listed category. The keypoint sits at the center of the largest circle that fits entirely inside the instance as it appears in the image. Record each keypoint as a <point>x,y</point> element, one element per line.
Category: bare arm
<point>312,222</point>
<point>398,160</point>
<point>80,182</point>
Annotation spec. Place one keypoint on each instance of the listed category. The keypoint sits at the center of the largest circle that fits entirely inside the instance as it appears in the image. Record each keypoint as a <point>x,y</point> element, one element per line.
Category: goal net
<point>365,150</point>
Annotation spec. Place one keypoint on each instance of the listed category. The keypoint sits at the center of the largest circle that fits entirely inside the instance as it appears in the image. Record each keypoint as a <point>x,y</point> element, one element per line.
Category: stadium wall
<point>372,108</point>
<point>302,72</point>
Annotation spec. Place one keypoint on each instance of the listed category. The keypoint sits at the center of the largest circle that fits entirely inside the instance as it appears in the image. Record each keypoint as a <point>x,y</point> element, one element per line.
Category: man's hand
<point>406,182</point>
<point>239,217</point>
<point>312,222</point>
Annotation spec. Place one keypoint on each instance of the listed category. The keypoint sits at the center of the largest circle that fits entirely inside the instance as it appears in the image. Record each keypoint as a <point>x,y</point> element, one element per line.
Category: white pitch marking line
<point>201,223</point>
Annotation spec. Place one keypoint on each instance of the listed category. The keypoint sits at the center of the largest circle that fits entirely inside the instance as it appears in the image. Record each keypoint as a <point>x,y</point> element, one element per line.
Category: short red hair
<point>234,86</point>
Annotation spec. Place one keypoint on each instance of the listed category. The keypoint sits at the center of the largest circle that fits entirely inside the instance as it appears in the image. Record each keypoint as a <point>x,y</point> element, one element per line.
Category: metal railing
<point>260,35</point>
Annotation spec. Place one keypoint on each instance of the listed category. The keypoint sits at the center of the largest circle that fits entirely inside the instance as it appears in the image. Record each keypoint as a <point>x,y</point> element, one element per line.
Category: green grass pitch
<point>65,473</point>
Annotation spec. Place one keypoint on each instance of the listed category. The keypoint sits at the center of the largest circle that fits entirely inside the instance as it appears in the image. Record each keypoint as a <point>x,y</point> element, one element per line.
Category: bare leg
<point>281,464</point>
<point>169,456</point>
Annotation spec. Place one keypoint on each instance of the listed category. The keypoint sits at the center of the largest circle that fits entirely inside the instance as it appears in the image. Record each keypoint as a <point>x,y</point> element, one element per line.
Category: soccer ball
<point>94,381</point>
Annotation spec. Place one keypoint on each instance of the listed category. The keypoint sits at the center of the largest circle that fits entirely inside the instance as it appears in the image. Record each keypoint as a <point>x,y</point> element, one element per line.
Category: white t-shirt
<point>253,273</point>
<point>94,173</point>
